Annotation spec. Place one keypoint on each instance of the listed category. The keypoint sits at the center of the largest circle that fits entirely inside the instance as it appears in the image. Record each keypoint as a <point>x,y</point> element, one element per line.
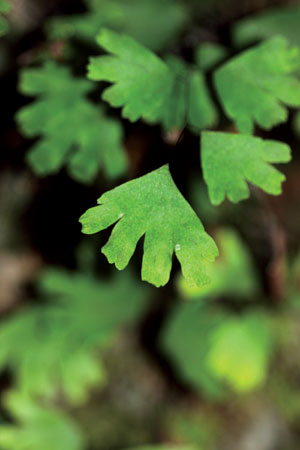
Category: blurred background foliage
<point>90,358</point>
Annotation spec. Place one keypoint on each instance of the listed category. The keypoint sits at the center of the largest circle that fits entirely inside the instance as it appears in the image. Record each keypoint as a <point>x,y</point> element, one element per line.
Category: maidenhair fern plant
<point>254,87</point>
<point>146,69</point>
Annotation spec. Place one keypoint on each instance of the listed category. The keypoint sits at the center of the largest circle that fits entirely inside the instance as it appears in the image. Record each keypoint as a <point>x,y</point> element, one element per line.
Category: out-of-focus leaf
<point>283,20</point>
<point>38,427</point>
<point>231,275</point>
<point>5,7</point>
<point>201,110</point>
<point>55,347</point>
<point>153,23</point>
<point>265,72</point>
<point>189,102</point>
<point>229,160</point>
<point>185,338</point>
<point>152,206</point>
<point>103,13</point>
<point>240,351</point>
<point>74,131</point>
<point>173,112</point>
<point>213,349</point>
<point>208,54</point>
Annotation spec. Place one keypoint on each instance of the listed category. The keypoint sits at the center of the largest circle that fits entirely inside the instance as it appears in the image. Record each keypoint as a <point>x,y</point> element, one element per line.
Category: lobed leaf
<point>54,349</point>
<point>141,81</point>
<point>229,160</point>
<point>232,275</point>
<point>153,206</point>
<point>257,85</point>
<point>73,131</point>
<point>146,87</point>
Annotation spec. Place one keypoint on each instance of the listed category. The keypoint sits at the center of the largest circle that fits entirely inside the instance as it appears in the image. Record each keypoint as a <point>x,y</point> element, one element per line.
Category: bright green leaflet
<point>232,274</point>
<point>229,160</point>
<point>83,138</point>
<point>281,20</point>
<point>38,427</point>
<point>208,54</point>
<point>55,348</point>
<point>5,7</point>
<point>265,72</point>
<point>144,20</point>
<point>213,349</point>
<point>153,206</point>
<point>240,351</point>
<point>141,81</point>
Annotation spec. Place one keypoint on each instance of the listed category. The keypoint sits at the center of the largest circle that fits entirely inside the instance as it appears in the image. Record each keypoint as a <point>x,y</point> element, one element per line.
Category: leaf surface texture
<point>153,206</point>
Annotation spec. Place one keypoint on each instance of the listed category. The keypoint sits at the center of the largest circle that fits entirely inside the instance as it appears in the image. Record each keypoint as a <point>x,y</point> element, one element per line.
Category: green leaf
<point>38,427</point>
<point>189,101</point>
<point>53,349</point>
<point>214,350</point>
<point>101,13</point>
<point>208,54</point>
<point>232,275</point>
<point>283,20</point>
<point>185,339</point>
<point>229,160</point>
<point>256,85</point>
<point>98,304</point>
<point>168,18</point>
<point>141,81</point>
<point>146,87</point>
<point>89,139</point>
<point>240,351</point>
<point>127,16</point>
<point>5,7</point>
<point>173,112</point>
<point>153,206</point>
<point>201,110</point>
